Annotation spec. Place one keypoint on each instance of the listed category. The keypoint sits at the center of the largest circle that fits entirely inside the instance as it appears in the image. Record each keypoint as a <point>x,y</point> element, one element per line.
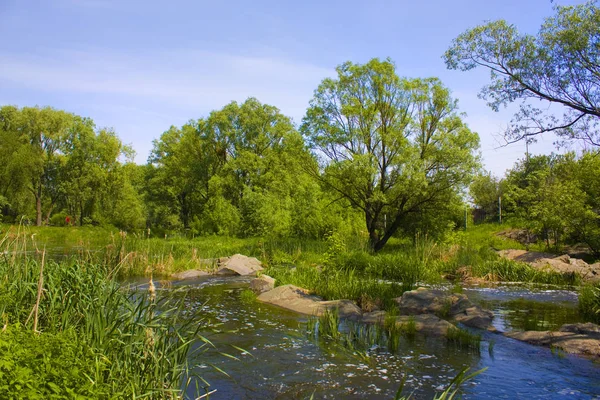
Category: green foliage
<point>338,284</point>
<point>56,162</point>
<point>464,339</point>
<point>396,149</point>
<point>589,303</point>
<point>485,190</point>
<point>49,366</point>
<point>117,342</point>
<point>559,66</point>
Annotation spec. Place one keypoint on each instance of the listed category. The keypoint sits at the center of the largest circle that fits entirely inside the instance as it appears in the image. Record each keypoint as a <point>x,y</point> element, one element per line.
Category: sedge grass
<point>125,343</point>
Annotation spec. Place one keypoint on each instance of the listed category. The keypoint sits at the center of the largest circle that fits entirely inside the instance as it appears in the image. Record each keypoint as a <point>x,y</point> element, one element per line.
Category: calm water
<point>282,362</point>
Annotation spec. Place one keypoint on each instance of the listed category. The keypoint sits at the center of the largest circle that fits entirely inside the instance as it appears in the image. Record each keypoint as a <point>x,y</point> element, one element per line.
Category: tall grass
<point>113,342</point>
<point>332,284</point>
<point>589,303</point>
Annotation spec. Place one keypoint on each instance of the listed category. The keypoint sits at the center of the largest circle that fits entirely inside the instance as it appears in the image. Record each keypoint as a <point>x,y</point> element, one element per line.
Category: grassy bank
<point>69,330</point>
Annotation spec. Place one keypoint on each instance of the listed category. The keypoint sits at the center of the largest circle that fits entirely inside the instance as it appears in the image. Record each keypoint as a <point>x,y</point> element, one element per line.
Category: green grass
<point>464,339</point>
<point>589,303</point>
<point>87,329</point>
<point>338,284</point>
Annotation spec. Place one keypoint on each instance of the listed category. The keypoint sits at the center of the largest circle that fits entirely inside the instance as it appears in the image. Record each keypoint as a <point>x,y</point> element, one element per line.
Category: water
<point>280,361</point>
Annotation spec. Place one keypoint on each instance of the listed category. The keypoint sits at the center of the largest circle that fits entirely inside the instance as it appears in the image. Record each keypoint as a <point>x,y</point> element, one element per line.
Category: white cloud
<point>180,77</point>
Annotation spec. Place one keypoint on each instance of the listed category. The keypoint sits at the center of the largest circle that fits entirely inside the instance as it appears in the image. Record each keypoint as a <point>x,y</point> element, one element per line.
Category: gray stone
<point>476,317</point>
<point>189,274</point>
<point>347,309</point>
<point>238,265</point>
<point>580,339</point>
<point>292,298</point>
<point>443,304</point>
<point>262,284</point>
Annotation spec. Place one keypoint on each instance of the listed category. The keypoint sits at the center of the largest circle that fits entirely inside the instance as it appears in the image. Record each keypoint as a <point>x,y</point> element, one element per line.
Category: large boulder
<point>580,339</point>
<point>238,265</point>
<point>189,274</point>
<point>476,317</point>
<point>292,298</point>
<point>297,299</point>
<point>444,304</point>
<point>563,264</point>
<point>346,309</point>
<point>262,284</point>
<point>427,324</point>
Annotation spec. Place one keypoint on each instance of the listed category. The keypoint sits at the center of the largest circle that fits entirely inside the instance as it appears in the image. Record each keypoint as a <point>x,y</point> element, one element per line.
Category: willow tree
<point>558,67</point>
<point>392,147</point>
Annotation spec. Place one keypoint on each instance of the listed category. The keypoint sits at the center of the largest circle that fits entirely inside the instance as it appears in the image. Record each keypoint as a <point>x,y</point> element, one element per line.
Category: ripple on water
<point>283,363</point>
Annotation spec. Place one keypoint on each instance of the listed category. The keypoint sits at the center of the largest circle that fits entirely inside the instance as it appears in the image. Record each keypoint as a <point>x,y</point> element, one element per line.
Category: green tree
<point>39,134</point>
<point>390,146</point>
<point>485,190</point>
<point>560,66</point>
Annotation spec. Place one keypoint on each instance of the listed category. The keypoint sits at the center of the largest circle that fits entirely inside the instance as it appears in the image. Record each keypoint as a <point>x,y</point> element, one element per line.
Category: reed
<point>91,337</point>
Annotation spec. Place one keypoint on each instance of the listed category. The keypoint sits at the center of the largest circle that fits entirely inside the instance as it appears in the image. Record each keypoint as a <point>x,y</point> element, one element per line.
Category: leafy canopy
<point>394,148</point>
<point>560,66</point>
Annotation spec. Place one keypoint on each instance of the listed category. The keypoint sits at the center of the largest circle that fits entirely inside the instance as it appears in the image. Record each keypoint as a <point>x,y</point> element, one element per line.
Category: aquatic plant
<point>589,303</point>
<point>464,339</point>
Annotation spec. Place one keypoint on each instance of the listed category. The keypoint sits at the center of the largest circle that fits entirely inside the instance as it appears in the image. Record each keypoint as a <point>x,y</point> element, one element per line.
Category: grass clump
<point>464,339</point>
<point>248,296</point>
<point>333,284</point>
<point>125,343</point>
<point>589,303</point>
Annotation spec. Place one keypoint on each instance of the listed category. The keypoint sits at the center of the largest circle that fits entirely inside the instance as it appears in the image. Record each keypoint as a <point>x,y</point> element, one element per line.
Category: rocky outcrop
<point>189,274</point>
<point>346,309</point>
<point>262,284</point>
<point>427,324</point>
<point>549,262</point>
<point>292,298</point>
<point>443,304</point>
<point>297,299</point>
<point>238,265</point>
<point>580,339</point>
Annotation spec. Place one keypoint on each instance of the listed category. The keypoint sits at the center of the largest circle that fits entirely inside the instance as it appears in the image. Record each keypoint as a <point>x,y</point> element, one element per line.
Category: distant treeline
<point>375,153</point>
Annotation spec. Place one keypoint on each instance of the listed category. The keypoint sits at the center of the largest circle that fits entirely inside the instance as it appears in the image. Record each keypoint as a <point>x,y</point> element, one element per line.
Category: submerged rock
<point>262,284</point>
<point>189,274</point>
<point>580,339</point>
<point>426,324</point>
<point>238,265</point>
<point>440,303</point>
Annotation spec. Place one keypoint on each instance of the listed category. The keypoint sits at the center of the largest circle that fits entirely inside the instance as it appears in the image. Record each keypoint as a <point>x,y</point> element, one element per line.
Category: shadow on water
<point>272,357</point>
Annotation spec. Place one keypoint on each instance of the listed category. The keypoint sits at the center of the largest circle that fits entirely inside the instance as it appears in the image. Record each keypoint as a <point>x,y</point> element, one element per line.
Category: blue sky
<point>142,66</point>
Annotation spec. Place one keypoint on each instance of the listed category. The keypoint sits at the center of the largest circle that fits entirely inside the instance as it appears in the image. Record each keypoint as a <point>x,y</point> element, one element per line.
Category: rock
<point>549,262</point>
<point>262,284</point>
<point>427,324</point>
<point>293,298</point>
<point>476,317</point>
<point>296,299</point>
<point>374,317</point>
<point>441,303</point>
<point>580,339</point>
<point>238,265</point>
<point>520,235</point>
<point>189,274</point>
<point>583,328</point>
<point>524,255</point>
<point>347,309</point>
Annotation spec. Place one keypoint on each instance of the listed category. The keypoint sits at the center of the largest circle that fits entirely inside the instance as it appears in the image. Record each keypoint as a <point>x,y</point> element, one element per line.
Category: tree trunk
<point>38,206</point>
<point>48,214</point>
<point>389,232</point>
